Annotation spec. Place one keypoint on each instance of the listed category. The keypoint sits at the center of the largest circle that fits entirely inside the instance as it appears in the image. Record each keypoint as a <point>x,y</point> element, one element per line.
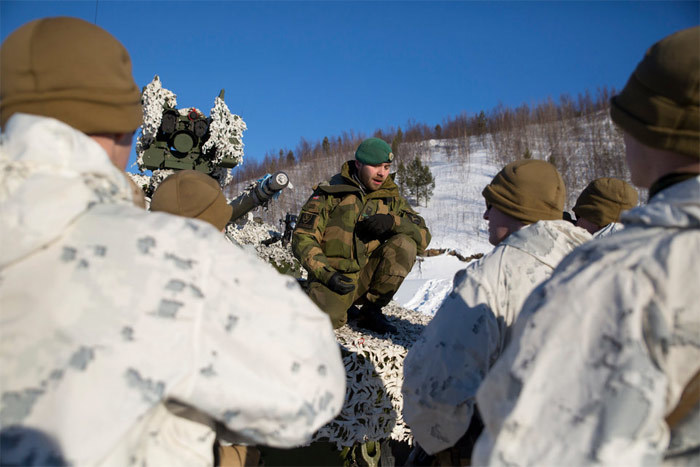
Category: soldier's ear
<point>358,165</point>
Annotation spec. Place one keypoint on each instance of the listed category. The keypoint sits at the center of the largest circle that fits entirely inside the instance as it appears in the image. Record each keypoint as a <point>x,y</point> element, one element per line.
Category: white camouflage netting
<point>226,133</point>
<point>252,233</point>
<point>154,99</point>
<point>374,367</point>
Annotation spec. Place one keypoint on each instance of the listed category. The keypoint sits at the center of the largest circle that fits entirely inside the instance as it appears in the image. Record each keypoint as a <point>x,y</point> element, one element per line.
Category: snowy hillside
<point>454,216</point>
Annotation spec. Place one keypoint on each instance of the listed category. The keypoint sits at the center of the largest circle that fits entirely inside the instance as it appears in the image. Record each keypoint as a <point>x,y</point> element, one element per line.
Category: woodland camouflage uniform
<point>325,242</point>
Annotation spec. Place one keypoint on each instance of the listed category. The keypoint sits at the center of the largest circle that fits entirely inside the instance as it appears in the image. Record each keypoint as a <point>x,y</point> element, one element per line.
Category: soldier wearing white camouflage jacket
<point>445,367</point>
<point>130,337</point>
<point>604,365</point>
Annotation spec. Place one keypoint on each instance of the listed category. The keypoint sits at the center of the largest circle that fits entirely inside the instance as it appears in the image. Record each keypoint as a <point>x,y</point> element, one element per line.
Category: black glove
<point>376,226</point>
<point>340,284</point>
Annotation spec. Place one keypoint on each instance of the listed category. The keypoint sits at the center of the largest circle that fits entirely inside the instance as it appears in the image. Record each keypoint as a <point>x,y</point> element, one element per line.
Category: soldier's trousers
<point>376,283</point>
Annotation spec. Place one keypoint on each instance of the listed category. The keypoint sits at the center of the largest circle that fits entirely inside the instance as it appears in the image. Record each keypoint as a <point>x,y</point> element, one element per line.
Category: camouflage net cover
<point>374,367</point>
<point>252,234</point>
<point>154,99</point>
<point>226,133</point>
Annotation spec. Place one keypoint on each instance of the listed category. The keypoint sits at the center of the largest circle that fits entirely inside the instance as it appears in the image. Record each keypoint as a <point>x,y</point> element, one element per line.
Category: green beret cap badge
<point>374,151</point>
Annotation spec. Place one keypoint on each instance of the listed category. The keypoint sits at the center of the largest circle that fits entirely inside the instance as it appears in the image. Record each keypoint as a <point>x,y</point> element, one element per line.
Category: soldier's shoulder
<point>336,185</point>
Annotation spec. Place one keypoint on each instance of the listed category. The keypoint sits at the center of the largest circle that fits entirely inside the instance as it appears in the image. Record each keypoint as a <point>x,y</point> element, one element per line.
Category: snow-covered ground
<point>454,217</point>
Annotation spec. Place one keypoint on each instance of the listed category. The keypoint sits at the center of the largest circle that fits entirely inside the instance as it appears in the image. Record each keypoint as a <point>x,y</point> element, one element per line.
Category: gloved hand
<point>376,226</point>
<point>340,284</point>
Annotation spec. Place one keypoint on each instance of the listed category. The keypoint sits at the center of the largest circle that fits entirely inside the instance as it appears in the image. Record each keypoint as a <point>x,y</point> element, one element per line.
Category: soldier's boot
<point>372,318</point>
<point>353,313</point>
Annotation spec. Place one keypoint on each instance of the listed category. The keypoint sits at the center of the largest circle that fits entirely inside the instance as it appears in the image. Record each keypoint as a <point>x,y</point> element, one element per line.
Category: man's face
<point>500,225</point>
<point>372,176</point>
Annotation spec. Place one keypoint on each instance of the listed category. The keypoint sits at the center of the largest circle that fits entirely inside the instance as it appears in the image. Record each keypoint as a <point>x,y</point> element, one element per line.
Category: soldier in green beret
<point>358,238</point>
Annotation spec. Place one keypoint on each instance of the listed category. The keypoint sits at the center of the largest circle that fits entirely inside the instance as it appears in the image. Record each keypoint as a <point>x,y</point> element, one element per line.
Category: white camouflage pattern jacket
<point>602,352</point>
<point>446,365</point>
<point>108,310</point>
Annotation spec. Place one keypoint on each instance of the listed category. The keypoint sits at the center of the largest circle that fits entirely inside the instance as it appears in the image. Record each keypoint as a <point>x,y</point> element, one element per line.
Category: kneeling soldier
<point>358,238</point>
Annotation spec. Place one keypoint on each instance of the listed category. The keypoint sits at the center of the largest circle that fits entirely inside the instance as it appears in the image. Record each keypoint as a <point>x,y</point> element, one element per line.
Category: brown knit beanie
<point>70,70</point>
<point>659,104</point>
<point>604,199</point>
<point>528,190</point>
<point>194,194</point>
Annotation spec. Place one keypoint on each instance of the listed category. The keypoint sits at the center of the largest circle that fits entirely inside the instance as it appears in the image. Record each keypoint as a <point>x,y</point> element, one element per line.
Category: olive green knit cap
<point>529,190</point>
<point>71,70</point>
<point>659,104</point>
<point>374,151</point>
<point>604,199</point>
<point>194,194</point>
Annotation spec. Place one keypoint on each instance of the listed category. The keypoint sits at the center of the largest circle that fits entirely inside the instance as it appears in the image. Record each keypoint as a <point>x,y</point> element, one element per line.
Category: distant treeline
<point>498,120</point>
<point>575,134</point>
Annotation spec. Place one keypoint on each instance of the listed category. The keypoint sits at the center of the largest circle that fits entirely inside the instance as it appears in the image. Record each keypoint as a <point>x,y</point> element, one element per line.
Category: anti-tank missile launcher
<point>179,139</point>
<point>259,193</point>
<point>174,139</point>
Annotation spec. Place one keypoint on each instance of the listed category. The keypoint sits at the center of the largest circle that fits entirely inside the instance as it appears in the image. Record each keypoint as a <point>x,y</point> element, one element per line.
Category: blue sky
<point>315,69</point>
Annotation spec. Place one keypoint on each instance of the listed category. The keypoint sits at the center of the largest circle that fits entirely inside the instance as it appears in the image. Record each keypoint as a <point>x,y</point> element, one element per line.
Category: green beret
<point>374,151</point>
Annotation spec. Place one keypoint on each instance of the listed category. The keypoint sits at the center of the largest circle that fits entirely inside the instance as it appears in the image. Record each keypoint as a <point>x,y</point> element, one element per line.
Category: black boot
<point>372,318</point>
<point>353,313</point>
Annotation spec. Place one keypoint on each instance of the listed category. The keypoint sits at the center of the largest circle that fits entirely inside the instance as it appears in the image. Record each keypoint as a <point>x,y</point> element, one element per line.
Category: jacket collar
<point>677,206</point>
<point>548,241</point>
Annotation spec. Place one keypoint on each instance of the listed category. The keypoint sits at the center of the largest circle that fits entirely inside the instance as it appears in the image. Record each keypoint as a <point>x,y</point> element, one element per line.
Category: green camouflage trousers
<point>376,283</point>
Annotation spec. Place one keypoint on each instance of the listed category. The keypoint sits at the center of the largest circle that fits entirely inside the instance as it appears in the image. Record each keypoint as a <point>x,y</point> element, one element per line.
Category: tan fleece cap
<point>70,70</point>
<point>604,199</point>
<point>529,190</point>
<point>189,193</point>
<point>659,104</point>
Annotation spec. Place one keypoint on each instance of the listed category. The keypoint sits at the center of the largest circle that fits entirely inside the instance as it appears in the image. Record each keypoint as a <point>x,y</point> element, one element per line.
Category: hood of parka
<point>389,189</point>
<point>677,206</point>
<point>50,174</point>
<point>548,241</point>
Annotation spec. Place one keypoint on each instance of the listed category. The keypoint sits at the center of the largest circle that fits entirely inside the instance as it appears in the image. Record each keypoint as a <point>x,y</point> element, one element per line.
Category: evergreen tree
<point>426,182</point>
<point>326,145</point>
<point>438,131</point>
<point>290,158</point>
<point>419,181</point>
<point>527,154</point>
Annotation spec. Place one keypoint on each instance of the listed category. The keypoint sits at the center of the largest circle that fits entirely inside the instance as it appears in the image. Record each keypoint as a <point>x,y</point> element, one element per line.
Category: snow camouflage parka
<point>444,368</point>
<point>324,240</point>
<point>108,310</point>
<point>602,351</point>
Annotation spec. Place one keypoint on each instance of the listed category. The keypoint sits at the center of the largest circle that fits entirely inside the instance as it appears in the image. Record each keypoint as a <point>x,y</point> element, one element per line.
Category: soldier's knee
<point>404,244</point>
<point>334,305</point>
